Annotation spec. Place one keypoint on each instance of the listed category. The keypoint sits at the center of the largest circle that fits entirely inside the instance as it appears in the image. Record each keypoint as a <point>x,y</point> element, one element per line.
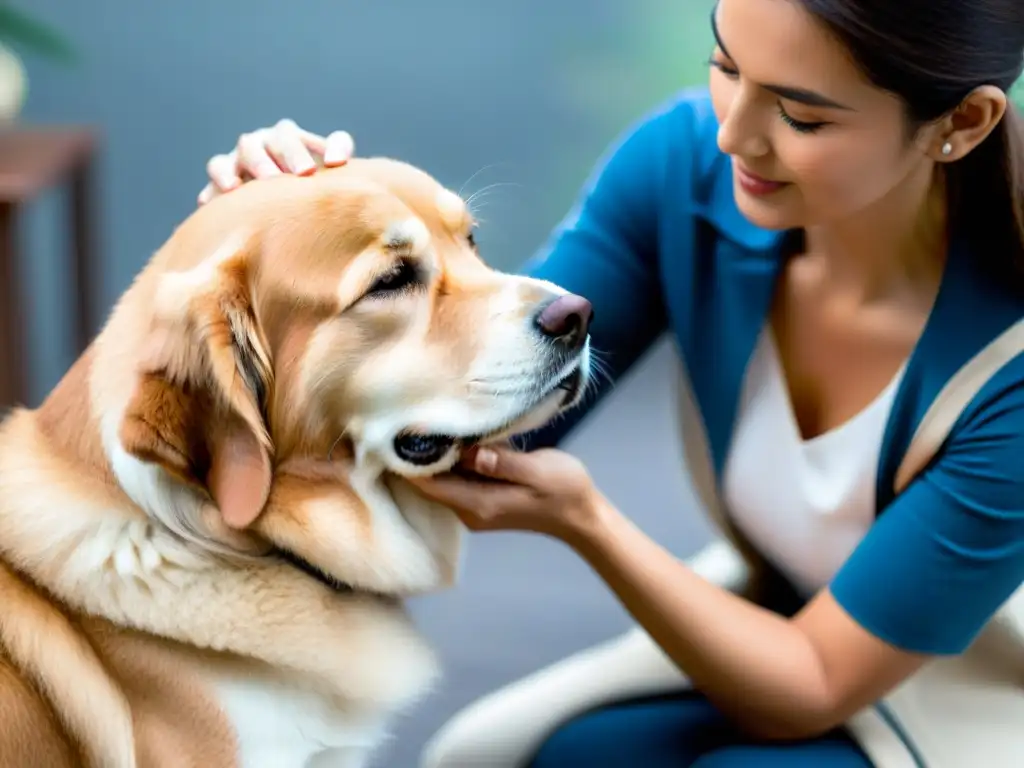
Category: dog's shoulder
<point>31,735</point>
<point>58,704</point>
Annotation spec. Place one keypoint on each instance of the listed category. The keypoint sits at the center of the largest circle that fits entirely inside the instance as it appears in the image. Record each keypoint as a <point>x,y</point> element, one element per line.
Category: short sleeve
<point>949,550</point>
<point>606,249</point>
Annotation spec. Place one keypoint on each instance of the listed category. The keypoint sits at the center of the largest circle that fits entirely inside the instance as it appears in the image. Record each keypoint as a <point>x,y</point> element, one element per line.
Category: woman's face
<point>811,140</point>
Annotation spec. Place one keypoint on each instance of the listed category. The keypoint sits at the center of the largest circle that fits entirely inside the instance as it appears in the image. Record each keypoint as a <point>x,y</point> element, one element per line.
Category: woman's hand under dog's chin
<point>496,488</point>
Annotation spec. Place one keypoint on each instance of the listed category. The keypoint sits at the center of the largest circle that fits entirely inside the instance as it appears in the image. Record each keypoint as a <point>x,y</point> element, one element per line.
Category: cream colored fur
<point>245,395</point>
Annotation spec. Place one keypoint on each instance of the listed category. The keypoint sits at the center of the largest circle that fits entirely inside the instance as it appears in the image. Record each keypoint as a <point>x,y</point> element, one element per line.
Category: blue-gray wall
<point>523,94</point>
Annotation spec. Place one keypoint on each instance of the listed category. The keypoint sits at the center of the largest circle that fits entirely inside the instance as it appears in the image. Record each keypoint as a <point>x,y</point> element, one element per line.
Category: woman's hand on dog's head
<point>283,148</point>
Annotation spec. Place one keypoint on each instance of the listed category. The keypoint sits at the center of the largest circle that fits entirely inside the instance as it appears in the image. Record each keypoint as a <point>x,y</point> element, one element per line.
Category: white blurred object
<point>13,84</point>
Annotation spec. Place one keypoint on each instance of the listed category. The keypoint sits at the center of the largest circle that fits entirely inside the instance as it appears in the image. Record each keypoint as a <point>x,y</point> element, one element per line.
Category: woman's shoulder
<point>973,344</point>
<point>682,132</point>
<point>674,148</point>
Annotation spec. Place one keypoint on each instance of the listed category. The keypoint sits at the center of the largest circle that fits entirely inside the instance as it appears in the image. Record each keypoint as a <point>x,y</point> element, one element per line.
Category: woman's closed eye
<point>800,126</point>
<point>725,68</point>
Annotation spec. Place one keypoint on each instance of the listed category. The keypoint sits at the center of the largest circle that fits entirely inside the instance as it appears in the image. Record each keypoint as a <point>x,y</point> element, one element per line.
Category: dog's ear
<point>199,407</point>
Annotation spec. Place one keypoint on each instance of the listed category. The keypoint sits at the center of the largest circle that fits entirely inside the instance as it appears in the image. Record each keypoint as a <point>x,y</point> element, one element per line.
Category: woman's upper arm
<point>606,249</point>
<point>938,563</point>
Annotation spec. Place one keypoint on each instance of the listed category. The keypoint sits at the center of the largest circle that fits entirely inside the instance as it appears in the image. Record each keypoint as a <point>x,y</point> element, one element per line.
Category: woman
<point>831,231</point>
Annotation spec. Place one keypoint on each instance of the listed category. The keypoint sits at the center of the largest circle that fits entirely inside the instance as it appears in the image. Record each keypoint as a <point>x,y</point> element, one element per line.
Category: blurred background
<point>512,100</point>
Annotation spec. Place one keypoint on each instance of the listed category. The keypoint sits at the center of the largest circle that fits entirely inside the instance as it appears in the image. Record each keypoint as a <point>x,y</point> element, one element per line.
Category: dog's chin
<point>418,454</point>
<point>423,453</point>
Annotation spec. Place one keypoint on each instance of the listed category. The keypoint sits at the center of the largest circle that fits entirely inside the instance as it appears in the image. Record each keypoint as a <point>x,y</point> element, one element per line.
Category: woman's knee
<point>578,742</point>
<point>656,733</point>
<point>837,752</point>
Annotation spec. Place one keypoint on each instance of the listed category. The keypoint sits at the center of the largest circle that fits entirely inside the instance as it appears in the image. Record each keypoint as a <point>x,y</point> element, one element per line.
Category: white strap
<point>951,401</point>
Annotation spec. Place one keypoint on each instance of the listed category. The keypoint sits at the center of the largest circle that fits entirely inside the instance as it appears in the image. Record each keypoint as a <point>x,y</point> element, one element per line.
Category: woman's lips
<point>756,185</point>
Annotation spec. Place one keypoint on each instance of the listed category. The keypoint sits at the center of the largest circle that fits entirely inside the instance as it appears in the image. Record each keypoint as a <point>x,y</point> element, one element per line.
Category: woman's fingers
<point>284,148</point>
<point>253,157</point>
<point>292,149</point>
<point>338,148</point>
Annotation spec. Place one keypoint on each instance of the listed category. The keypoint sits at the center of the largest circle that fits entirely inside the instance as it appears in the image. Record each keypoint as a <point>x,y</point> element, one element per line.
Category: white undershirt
<point>804,504</point>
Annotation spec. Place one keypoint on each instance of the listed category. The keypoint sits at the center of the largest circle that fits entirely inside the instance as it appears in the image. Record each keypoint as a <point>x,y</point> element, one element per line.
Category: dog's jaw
<point>429,535</point>
<point>363,527</point>
<point>469,420</point>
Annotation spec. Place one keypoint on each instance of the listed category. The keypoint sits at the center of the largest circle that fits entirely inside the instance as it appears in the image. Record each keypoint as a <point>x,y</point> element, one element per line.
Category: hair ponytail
<point>986,195</point>
<point>1012,159</point>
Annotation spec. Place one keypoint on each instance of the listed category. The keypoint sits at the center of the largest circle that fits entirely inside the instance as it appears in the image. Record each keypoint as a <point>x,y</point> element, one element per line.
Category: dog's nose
<point>566,319</point>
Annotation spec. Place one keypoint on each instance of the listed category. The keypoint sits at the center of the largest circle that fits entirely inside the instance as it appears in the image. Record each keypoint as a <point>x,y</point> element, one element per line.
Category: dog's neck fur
<point>91,545</point>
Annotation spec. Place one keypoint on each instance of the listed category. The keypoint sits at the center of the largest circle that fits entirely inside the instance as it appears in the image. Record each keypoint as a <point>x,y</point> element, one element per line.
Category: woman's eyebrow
<point>788,92</point>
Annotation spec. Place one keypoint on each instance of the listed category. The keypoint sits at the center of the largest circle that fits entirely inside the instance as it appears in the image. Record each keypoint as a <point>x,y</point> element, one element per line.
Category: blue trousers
<point>684,731</point>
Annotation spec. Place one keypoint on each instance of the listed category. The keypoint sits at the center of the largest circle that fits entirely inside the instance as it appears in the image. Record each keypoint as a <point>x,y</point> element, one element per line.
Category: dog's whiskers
<point>462,189</point>
<point>600,370</point>
<point>338,439</point>
<point>481,193</point>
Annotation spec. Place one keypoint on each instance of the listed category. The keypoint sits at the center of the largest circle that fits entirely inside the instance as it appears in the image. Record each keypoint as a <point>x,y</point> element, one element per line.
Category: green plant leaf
<point>1017,94</point>
<point>18,29</point>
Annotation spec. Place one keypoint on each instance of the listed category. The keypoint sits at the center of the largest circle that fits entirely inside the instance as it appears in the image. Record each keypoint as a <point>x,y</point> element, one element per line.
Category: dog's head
<point>301,331</point>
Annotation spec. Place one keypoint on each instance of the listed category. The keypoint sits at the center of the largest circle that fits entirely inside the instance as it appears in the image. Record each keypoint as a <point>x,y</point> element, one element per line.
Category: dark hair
<point>932,54</point>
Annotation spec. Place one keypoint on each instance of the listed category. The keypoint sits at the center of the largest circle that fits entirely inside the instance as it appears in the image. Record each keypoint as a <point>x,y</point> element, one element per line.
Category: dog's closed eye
<point>403,276</point>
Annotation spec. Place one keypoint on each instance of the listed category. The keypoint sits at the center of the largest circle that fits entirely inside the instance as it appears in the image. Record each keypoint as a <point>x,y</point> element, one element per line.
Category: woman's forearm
<point>755,665</point>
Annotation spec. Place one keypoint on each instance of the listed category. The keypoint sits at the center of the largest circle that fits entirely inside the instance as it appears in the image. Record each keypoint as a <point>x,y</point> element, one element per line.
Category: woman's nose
<point>740,131</point>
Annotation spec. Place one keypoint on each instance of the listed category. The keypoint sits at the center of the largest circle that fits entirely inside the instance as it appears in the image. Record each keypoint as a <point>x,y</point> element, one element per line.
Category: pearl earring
<point>947,148</point>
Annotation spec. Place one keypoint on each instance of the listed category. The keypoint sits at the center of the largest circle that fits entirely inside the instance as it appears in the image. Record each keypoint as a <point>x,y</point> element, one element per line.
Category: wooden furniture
<point>31,160</point>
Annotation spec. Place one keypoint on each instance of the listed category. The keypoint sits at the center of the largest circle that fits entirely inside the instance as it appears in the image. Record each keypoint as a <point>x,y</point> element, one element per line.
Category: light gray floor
<point>525,601</point>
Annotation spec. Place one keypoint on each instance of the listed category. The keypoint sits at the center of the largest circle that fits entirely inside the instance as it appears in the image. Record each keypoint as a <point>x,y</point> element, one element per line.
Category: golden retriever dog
<point>205,534</point>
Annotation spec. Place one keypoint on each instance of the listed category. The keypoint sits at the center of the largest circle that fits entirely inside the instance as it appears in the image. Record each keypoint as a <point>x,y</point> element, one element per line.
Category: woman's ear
<point>970,123</point>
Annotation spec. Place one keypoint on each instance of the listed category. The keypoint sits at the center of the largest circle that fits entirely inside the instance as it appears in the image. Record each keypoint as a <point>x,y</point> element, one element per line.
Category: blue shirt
<point>657,244</point>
